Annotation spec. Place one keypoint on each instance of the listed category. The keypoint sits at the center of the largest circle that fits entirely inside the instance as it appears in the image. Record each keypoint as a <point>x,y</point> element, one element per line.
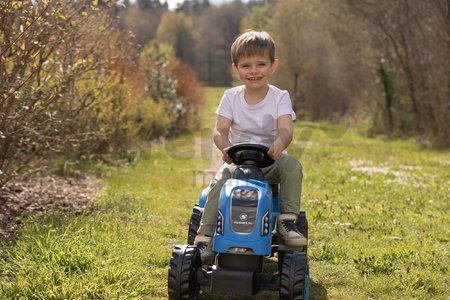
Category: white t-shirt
<point>254,123</point>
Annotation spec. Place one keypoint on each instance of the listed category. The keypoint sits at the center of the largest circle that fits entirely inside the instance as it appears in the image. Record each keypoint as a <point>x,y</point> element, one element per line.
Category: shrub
<point>173,83</point>
<point>191,90</point>
<point>72,84</point>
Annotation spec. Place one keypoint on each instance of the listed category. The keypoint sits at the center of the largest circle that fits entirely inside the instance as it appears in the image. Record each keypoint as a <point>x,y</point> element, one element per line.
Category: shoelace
<point>202,246</point>
<point>289,225</point>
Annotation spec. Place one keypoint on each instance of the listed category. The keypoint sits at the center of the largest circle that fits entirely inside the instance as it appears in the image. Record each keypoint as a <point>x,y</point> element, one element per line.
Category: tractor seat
<point>252,172</point>
<point>248,172</point>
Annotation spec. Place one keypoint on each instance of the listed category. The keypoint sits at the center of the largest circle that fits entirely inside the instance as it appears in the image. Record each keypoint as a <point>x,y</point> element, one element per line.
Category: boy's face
<point>254,71</point>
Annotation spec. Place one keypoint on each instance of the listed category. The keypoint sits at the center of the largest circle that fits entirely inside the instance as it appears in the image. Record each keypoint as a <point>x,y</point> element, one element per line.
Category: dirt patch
<point>206,150</point>
<point>24,196</point>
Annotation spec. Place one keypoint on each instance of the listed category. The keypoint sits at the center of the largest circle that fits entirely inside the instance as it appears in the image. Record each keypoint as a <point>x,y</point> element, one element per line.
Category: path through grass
<point>378,214</point>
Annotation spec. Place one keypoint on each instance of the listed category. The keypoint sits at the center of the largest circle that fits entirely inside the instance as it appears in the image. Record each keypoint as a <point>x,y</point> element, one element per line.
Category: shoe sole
<point>289,243</point>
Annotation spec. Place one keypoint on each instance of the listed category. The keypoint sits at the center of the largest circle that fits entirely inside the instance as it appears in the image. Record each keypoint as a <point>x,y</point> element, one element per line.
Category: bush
<point>191,90</point>
<point>72,83</point>
<point>175,84</point>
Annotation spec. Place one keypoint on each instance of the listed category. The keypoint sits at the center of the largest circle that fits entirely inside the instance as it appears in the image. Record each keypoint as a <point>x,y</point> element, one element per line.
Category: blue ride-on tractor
<point>244,238</point>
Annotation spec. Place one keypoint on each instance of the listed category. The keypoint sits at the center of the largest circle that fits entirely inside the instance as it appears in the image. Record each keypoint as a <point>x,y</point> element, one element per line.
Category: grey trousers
<point>287,171</point>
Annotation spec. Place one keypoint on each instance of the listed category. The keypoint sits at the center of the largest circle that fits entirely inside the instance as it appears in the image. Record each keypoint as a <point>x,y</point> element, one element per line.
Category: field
<point>377,210</point>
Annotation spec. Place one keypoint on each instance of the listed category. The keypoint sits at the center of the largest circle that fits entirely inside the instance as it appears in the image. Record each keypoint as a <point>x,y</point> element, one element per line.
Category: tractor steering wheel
<point>250,154</point>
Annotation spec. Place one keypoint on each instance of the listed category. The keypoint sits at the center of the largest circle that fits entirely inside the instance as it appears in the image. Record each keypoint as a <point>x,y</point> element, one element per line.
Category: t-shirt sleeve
<point>224,108</point>
<point>285,106</point>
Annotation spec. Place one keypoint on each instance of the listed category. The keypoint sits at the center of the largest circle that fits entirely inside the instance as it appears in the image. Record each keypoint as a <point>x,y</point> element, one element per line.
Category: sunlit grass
<point>378,215</point>
<point>118,249</point>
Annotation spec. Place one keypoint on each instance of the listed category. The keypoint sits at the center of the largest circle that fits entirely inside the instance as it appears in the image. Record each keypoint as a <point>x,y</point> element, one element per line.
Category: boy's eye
<point>245,66</point>
<point>262,64</point>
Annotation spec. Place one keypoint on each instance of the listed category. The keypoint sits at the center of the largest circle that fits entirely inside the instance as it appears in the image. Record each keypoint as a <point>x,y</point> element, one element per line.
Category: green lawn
<point>377,210</point>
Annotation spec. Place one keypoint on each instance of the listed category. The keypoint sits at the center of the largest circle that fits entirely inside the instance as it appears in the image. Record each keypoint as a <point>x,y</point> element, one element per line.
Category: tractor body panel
<point>203,196</point>
<point>244,222</point>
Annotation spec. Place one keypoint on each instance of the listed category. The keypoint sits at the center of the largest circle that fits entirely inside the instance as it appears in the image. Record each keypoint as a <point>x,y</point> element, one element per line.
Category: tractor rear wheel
<point>302,226</point>
<point>182,277</point>
<point>194,223</point>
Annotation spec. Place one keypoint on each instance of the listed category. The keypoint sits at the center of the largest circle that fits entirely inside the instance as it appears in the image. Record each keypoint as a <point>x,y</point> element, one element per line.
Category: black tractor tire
<point>302,226</point>
<point>182,277</point>
<point>294,279</point>
<point>274,248</point>
<point>194,223</point>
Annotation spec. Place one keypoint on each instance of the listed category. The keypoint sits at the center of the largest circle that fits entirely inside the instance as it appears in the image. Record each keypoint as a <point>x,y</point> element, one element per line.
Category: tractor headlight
<point>265,224</point>
<point>219,223</point>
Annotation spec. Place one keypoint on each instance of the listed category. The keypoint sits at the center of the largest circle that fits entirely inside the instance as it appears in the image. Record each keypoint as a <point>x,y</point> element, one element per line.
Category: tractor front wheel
<point>182,279</point>
<point>294,276</point>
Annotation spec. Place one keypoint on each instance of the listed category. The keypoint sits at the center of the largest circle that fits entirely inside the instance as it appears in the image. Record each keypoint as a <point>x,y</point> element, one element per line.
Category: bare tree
<point>416,38</point>
<point>217,27</point>
<point>177,30</point>
<point>54,57</point>
<point>311,68</point>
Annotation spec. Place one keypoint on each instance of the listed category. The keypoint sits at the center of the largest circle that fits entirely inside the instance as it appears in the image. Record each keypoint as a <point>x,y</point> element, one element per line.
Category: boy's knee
<point>292,164</point>
<point>224,174</point>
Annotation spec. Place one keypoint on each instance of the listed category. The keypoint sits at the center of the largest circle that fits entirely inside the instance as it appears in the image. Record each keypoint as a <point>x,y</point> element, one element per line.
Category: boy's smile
<point>254,71</point>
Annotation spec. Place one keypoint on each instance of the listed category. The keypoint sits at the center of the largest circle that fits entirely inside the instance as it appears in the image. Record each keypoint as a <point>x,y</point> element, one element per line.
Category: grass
<point>378,215</point>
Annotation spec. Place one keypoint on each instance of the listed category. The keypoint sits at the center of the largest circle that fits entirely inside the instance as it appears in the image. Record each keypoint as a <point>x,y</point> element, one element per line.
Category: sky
<point>174,3</point>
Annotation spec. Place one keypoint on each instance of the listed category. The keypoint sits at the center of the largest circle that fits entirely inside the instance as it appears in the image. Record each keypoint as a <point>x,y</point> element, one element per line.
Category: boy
<point>258,113</point>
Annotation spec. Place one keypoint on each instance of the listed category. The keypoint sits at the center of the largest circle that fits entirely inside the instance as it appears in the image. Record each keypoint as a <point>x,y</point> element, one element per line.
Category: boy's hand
<point>225,157</point>
<point>284,137</point>
<point>276,149</point>
<point>220,137</point>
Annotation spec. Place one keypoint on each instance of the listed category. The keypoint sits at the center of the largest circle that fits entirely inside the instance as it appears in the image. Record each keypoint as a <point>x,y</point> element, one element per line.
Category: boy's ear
<point>275,65</point>
<point>235,69</point>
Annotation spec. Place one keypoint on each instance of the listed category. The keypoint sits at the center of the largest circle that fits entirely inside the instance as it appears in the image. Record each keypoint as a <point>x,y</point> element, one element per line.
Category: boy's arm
<point>284,136</point>
<point>220,137</point>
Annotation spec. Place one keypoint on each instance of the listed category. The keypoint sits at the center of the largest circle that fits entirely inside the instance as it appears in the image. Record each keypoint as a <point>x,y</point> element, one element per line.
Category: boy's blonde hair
<point>253,43</point>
